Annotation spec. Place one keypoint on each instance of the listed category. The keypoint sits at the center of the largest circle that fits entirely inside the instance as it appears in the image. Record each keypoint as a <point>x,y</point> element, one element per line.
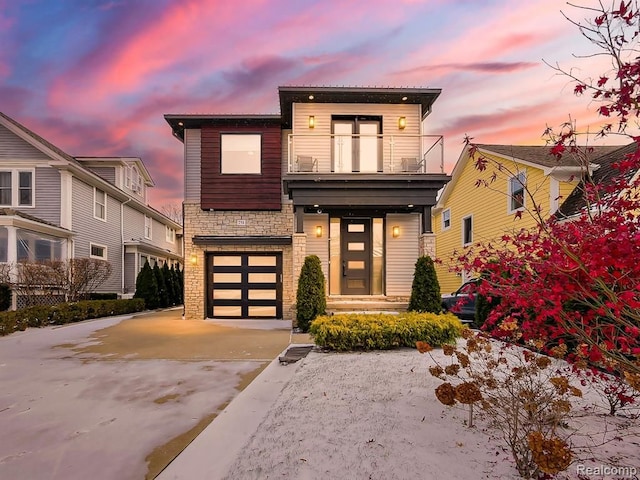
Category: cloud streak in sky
<point>96,78</point>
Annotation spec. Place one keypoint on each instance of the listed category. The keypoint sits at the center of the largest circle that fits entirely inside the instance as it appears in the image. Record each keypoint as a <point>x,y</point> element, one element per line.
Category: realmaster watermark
<point>608,470</point>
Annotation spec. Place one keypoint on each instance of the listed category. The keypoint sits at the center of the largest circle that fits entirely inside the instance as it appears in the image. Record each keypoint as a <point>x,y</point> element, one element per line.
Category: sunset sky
<point>95,77</point>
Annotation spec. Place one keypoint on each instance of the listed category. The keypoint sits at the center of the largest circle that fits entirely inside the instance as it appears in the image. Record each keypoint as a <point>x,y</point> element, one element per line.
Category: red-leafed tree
<point>573,284</point>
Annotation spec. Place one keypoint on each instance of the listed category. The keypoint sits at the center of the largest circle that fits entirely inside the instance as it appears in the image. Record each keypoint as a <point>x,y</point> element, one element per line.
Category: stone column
<point>428,245</point>
<point>299,252</point>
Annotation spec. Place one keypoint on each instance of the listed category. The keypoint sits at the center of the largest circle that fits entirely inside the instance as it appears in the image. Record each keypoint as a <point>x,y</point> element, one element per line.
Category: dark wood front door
<point>356,256</point>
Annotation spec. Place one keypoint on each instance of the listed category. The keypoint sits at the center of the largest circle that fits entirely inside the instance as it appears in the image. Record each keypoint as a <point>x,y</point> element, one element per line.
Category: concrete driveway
<point>119,398</point>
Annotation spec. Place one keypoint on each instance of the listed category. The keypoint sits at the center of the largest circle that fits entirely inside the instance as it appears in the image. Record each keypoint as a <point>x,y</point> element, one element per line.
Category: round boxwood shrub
<point>425,290</point>
<point>311,299</point>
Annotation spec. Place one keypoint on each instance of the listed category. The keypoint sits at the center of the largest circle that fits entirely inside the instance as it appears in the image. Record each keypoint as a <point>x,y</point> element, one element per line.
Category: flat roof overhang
<point>364,190</point>
<point>425,97</point>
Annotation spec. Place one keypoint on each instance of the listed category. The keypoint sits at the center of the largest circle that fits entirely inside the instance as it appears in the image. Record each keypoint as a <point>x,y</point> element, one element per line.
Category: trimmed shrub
<point>383,331</point>
<point>5,297</point>
<point>168,281</point>
<point>103,296</point>
<point>425,290</point>
<point>180,276</point>
<point>147,287</point>
<point>311,298</point>
<point>41,316</point>
<point>163,299</point>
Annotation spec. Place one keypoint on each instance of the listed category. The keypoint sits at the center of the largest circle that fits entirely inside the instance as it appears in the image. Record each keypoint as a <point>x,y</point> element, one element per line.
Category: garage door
<point>244,285</point>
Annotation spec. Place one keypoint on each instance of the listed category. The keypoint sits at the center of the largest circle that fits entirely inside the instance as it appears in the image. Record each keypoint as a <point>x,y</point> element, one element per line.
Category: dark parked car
<point>462,302</point>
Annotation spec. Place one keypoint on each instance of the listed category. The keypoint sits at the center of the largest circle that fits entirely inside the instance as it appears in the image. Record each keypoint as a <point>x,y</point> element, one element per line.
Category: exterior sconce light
<point>395,231</point>
<point>319,231</point>
<point>312,121</point>
<point>402,122</point>
<point>194,259</point>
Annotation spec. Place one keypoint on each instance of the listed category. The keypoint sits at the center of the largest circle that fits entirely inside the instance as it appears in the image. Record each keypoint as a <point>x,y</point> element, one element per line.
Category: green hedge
<point>359,331</point>
<point>41,316</point>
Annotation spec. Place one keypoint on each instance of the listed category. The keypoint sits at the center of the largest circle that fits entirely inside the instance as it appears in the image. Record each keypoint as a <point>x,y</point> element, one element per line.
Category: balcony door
<point>357,145</point>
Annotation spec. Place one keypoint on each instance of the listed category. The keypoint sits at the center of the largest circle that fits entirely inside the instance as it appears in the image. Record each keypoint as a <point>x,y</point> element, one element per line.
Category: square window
<point>240,154</point>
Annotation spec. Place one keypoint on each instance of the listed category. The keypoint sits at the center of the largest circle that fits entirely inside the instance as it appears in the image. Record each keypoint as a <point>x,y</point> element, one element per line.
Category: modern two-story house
<point>54,207</point>
<point>347,174</point>
<point>482,205</point>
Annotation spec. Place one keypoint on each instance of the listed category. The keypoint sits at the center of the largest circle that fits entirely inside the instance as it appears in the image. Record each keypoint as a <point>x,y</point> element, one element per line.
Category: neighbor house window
<point>98,251</point>
<point>99,204</point>
<point>36,247</point>
<point>516,191</point>
<point>240,153</point>
<point>148,222</point>
<point>467,230</point>
<point>170,234</point>
<point>446,219</point>
<point>16,188</point>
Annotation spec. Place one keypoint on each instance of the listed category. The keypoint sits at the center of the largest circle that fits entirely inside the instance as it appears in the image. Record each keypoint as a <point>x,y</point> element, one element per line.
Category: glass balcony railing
<point>387,154</point>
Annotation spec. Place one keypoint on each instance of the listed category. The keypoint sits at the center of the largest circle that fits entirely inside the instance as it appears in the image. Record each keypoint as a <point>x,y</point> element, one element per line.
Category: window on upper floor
<point>97,251</point>
<point>170,234</point>
<point>133,179</point>
<point>446,219</point>
<point>240,154</point>
<point>99,204</point>
<point>16,188</point>
<point>467,230</point>
<point>148,223</point>
<point>516,191</point>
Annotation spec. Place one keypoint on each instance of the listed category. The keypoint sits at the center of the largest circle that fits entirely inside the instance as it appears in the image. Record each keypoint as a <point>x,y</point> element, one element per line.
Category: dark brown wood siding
<point>241,192</point>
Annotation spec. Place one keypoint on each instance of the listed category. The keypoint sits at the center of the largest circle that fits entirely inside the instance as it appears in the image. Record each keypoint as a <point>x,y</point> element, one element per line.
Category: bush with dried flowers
<point>521,393</point>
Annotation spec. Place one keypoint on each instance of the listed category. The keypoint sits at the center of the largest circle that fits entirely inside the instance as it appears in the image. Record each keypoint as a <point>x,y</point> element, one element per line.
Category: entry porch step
<point>344,304</point>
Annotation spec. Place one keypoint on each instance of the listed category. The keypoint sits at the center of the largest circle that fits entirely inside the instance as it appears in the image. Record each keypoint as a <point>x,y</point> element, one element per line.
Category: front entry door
<point>356,256</point>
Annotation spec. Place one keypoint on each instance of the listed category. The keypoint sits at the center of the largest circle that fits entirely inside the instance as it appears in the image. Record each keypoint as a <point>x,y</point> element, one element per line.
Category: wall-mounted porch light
<point>319,231</point>
<point>312,121</point>
<point>395,231</point>
<point>194,259</point>
<point>402,122</point>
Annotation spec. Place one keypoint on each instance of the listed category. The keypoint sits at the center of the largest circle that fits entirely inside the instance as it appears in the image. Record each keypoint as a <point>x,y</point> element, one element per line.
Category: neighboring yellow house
<point>478,206</point>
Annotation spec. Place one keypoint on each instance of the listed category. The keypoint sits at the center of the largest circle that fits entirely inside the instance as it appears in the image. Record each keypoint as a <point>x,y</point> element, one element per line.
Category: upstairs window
<point>516,191</point>
<point>240,154</point>
<point>467,230</point>
<point>99,204</point>
<point>16,188</point>
<point>148,223</point>
<point>446,219</point>
<point>170,234</point>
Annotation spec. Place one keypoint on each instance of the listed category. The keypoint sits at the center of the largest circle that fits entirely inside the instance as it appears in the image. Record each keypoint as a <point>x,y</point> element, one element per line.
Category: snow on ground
<point>68,416</point>
<point>375,416</point>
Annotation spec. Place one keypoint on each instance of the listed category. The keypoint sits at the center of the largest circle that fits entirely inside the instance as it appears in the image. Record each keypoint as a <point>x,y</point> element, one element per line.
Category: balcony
<point>365,154</point>
<point>364,173</point>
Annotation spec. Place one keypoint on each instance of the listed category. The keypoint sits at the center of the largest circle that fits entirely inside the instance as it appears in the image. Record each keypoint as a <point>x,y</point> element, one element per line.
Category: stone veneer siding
<point>198,222</point>
<point>427,245</point>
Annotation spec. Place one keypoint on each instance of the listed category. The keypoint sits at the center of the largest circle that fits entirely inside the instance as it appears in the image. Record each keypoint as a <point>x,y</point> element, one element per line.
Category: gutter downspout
<point>122,270</point>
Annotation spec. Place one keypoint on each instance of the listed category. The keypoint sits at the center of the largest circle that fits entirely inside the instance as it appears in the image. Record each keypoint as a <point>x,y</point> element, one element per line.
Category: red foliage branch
<point>576,283</point>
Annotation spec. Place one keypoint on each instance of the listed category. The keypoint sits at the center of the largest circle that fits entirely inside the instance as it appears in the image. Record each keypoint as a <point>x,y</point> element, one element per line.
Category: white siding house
<point>54,207</point>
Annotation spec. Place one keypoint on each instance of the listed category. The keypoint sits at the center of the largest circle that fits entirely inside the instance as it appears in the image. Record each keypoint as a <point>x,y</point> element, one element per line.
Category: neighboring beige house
<point>54,206</point>
<point>348,174</point>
